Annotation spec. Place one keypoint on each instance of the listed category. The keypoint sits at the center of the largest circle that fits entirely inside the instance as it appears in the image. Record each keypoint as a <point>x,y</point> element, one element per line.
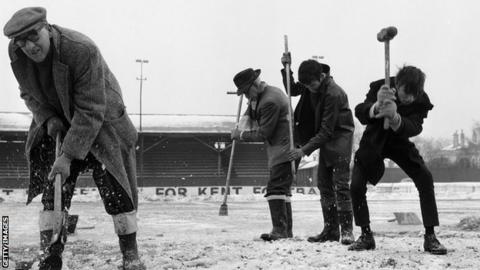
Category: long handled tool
<point>224,206</point>
<point>385,35</point>
<point>59,216</point>
<point>58,213</point>
<point>290,121</point>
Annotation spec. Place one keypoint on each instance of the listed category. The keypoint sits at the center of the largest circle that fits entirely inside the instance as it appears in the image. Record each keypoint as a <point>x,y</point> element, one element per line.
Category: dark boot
<point>52,253</point>
<point>364,242</point>
<point>278,212</point>
<point>129,249</point>
<point>330,224</point>
<point>289,219</point>
<point>433,246</point>
<point>346,232</point>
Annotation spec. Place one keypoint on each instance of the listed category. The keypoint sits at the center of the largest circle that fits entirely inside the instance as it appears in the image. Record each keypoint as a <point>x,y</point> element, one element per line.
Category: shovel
<point>59,216</point>
<point>224,207</point>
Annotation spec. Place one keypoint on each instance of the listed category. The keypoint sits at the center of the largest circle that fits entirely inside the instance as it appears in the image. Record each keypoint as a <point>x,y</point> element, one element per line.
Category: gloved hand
<point>387,110</point>
<point>286,59</point>
<point>295,154</point>
<point>235,135</point>
<point>54,126</point>
<point>61,166</point>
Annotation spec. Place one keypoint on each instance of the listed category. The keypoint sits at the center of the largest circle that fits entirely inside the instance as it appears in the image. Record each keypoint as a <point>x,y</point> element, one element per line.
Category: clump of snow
<point>469,224</point>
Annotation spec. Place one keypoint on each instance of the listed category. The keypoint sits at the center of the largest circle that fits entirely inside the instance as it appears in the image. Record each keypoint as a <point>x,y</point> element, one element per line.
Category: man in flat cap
<point>268,107</point>
<point>68,87</point>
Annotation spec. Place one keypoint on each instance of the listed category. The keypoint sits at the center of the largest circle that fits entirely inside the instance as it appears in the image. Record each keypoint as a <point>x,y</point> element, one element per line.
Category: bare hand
<point>295,154</point>
<point>387,110</point>
<point>235,135</point>
<point>60,166</point>
<point>385,93</point>
<point>286,59</point>
<point>55,126</point>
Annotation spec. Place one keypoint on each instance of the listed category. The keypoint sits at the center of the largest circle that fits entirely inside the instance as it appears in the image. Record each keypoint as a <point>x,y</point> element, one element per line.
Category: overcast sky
<point>196,47</point>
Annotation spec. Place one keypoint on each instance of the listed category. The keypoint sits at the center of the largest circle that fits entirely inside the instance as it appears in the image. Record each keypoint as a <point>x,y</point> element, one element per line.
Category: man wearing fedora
<point>323,120</point>
<point>68,87</point>
<point>268,107</point>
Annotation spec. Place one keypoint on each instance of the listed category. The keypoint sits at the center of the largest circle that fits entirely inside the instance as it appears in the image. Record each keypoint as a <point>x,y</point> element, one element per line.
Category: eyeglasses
<point>31,35</point>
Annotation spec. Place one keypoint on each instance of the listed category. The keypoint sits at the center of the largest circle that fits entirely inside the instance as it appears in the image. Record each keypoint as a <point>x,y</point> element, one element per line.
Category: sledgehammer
<point>385,35</point>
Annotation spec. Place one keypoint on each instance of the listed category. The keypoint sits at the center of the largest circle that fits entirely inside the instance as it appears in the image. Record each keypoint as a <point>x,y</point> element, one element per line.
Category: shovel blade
<point>59,218</point>
<point>223,210</point>
<point>407,218</point>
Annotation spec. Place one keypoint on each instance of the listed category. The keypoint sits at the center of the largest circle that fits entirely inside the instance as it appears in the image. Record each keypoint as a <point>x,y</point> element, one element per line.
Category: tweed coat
<point>377,143</point>
<point>92,104</point>
<point>271,116</point>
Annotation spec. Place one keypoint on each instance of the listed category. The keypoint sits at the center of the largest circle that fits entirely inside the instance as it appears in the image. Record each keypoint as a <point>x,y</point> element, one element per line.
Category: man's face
<point>35,43</point>
<point>313,86</point>
<point>403,97</point>
<point>251,93</point>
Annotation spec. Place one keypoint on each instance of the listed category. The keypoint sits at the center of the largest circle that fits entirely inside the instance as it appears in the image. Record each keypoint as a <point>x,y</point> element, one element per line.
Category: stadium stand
<point>178,150</point>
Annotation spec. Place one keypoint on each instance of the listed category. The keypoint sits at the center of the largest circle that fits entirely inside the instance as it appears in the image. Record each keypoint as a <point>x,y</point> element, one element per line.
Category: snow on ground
<point>188,233</point>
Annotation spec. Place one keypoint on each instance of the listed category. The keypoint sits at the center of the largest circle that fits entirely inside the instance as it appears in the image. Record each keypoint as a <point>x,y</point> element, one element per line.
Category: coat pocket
<point>124,129</point>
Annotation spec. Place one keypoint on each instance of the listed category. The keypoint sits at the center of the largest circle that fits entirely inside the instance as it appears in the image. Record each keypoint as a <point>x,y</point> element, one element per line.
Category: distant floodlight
<point>220,145</point>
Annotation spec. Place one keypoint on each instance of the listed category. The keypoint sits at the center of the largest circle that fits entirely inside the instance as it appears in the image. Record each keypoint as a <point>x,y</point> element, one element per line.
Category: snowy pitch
<point>188,233</point>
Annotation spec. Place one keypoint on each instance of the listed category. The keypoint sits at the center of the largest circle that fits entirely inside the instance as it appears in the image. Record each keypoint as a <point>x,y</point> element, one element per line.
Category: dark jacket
<point>271,115</point>
<point>328,126</point>
<point>376,142</point>
<point>92,104</point>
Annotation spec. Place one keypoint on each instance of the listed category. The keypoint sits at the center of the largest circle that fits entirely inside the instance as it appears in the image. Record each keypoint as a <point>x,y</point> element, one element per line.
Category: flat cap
<point>24,20</point>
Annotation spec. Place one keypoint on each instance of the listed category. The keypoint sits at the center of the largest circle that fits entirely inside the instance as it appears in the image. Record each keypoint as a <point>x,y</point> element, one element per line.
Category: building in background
<point>463,152</point>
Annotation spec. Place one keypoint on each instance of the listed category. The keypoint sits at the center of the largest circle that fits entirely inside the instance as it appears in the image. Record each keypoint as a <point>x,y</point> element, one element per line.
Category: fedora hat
<point>244,79</point>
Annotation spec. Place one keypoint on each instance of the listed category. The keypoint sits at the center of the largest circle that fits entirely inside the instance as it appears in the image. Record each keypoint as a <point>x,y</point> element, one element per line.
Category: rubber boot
<point>129,249</point>
<point>288,205</point>
<point>330,230</point>
<point>346,231</point>
<point>278,213</point>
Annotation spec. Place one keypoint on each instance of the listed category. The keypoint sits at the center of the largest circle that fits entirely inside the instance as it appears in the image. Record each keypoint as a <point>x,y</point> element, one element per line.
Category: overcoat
<point>378,143</point>
<point>270,113</point>
<point>92,104</point>
<point>327,125</point>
